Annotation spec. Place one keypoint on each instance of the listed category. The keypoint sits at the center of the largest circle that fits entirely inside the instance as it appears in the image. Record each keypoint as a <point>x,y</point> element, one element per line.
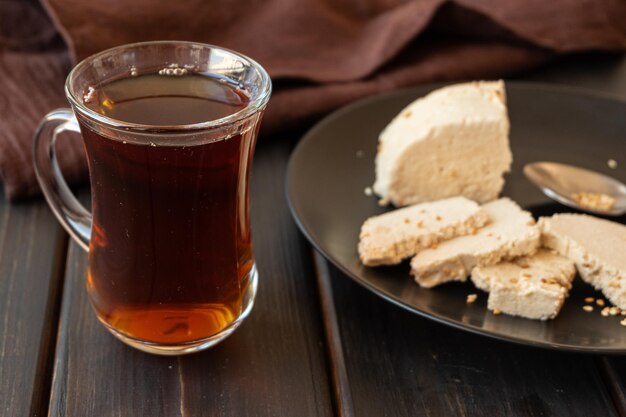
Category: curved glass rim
<point>252,107</point>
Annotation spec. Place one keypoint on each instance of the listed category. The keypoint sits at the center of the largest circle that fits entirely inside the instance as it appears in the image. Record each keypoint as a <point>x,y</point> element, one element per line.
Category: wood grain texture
<point>341,383</point>
<point>274,365</point>
<point>32,249</point>
<point>400,364</point>
<point>613,370</point>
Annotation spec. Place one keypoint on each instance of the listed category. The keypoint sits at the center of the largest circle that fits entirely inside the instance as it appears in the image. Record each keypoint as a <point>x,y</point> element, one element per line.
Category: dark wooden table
<point>317,344</point>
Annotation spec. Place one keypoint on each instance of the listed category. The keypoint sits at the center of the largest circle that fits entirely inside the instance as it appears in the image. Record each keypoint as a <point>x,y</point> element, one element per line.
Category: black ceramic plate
<point>334,162</point>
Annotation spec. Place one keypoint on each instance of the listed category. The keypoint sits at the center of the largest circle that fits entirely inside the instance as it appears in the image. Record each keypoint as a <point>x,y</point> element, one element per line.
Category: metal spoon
<point>563,183</point>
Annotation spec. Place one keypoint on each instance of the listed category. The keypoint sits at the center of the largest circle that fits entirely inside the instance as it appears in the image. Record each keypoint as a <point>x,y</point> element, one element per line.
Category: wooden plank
<point>613,370</point>
<point>32,258</point>
<point>400,364</point>
<point>341,383</point>
<point>274,365</point>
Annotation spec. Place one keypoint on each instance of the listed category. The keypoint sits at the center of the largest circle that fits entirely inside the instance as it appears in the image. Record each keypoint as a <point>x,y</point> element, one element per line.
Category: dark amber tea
<point>169,129</point>
<point>170,254</point>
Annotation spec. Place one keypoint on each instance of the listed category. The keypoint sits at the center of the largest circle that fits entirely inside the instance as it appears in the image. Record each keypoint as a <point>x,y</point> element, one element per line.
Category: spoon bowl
<point>562,182</point>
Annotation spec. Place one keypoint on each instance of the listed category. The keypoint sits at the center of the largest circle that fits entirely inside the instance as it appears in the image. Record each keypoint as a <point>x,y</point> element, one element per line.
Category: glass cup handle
<point>72,215</point>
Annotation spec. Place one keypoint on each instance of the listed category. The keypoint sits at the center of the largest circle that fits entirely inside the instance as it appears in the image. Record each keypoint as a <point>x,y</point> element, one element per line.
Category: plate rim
<point>522,85</point>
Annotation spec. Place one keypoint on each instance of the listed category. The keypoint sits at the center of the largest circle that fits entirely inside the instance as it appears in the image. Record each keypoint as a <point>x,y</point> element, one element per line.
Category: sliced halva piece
<point>389,238</point>
<point>512,232</point>
<point>597,246</point>
<point>533,286</point>
<point>454,141</point>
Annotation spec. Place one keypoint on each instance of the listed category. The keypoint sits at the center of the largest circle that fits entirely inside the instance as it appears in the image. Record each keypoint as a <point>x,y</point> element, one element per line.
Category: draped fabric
<point>321,54</point>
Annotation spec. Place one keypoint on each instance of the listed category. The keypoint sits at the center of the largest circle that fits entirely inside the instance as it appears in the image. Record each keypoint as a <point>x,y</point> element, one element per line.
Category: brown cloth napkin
<point>321,54</point>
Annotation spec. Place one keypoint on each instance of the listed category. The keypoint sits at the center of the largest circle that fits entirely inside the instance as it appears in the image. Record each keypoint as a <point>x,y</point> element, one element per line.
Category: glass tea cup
<point>169,130</point>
